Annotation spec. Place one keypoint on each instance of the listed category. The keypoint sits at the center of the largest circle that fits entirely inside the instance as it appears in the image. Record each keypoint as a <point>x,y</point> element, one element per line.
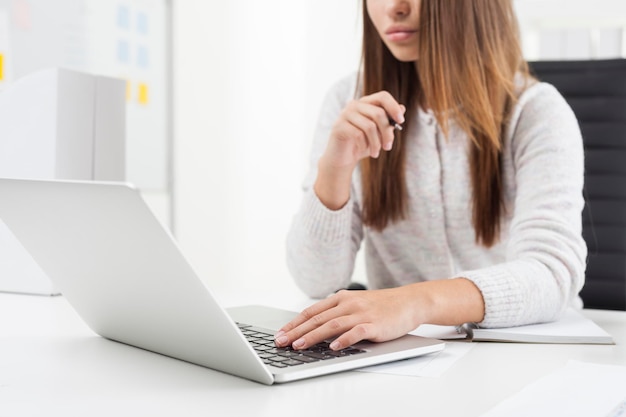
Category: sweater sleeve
<point>545,254</point>
<point>321,243</point>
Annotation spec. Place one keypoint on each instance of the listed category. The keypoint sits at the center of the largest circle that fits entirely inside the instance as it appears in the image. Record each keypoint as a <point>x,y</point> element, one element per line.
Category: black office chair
<point>596,91</point>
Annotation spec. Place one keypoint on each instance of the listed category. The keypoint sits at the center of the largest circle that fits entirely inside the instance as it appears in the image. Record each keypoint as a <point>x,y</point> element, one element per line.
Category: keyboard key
<point>263,344</point>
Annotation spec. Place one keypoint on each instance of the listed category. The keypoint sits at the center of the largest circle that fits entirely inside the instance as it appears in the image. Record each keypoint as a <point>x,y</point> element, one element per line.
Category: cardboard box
<point>57,124</point>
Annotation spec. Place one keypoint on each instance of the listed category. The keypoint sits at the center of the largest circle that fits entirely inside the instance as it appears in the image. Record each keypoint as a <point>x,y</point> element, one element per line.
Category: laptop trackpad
<point>261,316</point>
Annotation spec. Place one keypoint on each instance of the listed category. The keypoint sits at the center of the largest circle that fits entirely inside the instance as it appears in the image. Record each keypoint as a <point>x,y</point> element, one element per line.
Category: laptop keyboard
<point>263,344</point>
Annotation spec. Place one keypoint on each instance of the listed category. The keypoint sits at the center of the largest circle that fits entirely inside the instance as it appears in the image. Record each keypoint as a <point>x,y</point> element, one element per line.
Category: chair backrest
<point>596,91</point>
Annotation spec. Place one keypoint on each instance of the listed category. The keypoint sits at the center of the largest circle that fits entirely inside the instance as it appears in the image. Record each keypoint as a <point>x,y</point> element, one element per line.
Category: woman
<point>470,213</point>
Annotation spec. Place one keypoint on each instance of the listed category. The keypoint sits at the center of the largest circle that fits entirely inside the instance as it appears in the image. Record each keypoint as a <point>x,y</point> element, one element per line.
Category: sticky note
<point>1,67</point>
<point>143,94</point>
<point>123,51</point>
<point>22,16</point>
<point>142,57</point>
<point>123,17</point>
<point>142,23</point>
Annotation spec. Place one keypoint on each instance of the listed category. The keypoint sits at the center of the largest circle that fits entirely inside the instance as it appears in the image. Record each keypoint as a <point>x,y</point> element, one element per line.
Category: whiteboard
<point>125,39</point>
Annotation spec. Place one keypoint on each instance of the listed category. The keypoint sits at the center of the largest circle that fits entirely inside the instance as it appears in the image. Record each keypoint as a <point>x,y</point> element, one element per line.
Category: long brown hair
<point>469,55</point>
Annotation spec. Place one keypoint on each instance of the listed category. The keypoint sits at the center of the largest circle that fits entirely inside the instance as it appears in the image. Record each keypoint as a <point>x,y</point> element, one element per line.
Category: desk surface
<point>52,364</point>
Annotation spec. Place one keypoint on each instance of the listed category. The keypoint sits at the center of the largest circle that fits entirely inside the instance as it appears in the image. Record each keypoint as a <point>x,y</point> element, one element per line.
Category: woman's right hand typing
<point>362,130</point>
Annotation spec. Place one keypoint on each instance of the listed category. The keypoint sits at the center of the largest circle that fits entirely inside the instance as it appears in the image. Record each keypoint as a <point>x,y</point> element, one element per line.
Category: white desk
<point>51,364</point>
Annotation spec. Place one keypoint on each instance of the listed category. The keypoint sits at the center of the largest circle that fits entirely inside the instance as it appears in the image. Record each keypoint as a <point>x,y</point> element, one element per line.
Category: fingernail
<point>335,345</point>
<point>281,341</point>
<point>387,146</point>
<point>279,334</point>
<point>298,343</point>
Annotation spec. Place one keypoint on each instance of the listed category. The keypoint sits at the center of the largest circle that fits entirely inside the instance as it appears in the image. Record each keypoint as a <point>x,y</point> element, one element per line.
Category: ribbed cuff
<point>503,299</point>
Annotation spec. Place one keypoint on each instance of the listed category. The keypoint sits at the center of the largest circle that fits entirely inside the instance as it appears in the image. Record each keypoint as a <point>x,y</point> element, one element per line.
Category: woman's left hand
<point>352,316</point>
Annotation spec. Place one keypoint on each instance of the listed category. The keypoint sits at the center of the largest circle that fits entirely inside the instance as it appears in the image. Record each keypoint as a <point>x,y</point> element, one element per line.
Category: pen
<point>396,126</point>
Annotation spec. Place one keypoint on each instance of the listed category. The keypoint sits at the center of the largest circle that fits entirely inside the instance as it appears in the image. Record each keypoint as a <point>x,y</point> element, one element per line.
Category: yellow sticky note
<point>143,94</point>
<point>1,67</point>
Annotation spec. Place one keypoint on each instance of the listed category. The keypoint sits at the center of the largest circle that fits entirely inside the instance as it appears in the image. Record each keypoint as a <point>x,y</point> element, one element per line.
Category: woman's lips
<point>400,35</point>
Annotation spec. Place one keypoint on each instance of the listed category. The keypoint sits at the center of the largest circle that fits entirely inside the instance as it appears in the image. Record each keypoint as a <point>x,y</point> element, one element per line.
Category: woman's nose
<point>398,8</point>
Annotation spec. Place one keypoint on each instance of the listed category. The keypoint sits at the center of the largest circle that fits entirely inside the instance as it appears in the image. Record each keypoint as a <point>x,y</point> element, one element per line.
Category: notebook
<point>572,327</point>
<point>126,277</point>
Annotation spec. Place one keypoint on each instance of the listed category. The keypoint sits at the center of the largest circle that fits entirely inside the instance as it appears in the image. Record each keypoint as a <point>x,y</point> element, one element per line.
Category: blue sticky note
<point>123,51</point>
<point>123,17</point>
<point>142,23</point>
<point>143,57</point>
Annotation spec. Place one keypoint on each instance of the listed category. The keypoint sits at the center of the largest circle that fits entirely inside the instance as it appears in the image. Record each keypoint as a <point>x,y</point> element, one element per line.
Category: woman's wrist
<point>422,304</point>
<point>332,185</point>
<point>446,302</point>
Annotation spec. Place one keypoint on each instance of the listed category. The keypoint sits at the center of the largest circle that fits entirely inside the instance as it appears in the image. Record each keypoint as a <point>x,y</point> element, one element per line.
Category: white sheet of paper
<point>439,332</point>
<point>432,365</point>
<point>579,389</point>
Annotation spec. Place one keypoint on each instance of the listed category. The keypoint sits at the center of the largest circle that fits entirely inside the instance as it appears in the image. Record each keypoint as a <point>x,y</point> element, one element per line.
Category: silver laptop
<point>124,274</point>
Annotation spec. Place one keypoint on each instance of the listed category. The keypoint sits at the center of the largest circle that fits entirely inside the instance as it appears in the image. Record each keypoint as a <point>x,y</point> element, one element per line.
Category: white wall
<point>572,29</point>
<point>248,80</point>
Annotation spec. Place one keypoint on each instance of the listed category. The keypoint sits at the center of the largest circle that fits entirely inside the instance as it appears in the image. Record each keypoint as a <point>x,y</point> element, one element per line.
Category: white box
<point>57,124</point>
